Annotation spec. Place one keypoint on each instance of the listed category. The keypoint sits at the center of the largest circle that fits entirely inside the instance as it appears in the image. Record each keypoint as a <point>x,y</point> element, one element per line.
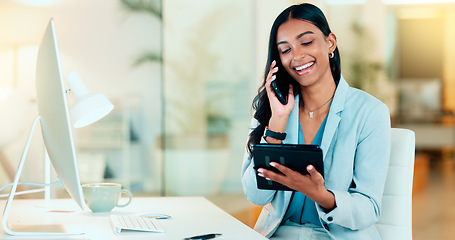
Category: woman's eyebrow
<point>298,36</point>
<point>282,42</point>
<point>303,34</point>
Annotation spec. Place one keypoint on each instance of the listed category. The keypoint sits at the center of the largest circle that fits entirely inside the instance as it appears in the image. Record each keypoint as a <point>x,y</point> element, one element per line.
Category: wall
<point>449,60</point>
<point>421,47</point>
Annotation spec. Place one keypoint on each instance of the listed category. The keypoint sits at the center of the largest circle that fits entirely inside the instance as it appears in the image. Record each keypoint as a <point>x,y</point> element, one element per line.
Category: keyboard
<point>135,223</point>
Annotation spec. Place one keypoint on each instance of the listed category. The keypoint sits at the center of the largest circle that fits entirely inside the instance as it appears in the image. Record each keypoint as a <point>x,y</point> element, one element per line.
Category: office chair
<point>395,221</point>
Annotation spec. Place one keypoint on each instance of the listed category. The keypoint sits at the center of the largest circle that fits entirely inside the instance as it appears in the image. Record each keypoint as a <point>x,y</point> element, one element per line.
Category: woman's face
<point>304,51</point>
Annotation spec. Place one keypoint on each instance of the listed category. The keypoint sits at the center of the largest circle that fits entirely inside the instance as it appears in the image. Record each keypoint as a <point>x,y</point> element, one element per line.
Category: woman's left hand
<point>311,184</point>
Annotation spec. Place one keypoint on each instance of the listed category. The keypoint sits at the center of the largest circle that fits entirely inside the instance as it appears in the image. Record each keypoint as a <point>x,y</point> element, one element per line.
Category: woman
<point>351,127</point>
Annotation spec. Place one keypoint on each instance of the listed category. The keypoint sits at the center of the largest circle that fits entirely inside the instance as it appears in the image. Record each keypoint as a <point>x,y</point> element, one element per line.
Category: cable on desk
<point>29,191</point>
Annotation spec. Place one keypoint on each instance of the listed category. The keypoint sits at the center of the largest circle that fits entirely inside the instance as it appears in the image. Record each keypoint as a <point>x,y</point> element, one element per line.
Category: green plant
<point>147,6</point>
<point>363,71</point>
<point>152,7</point>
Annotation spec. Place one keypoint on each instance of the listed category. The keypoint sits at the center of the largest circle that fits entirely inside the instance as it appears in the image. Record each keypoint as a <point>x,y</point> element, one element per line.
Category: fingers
<point>277,177</point>
<point>314,174</point>
<point>281,168</point>
<point>271,175</point>
<point>291,92</point>
<point>310,167</point>
<point>271,75</point>
<point>261,173</point>
<point>286,172</point>
<point>311,170</point>
<point>311,184</point>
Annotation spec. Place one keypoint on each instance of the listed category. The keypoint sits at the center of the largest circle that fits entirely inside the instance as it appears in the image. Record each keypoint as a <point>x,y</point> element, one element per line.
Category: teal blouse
<point>302,209</point>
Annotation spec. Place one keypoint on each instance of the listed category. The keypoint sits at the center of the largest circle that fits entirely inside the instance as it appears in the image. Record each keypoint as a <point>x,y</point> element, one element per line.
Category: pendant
<point>311,115</point>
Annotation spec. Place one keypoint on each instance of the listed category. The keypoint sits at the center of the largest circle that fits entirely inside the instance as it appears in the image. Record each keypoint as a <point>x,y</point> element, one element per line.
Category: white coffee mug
<point>103,197</point>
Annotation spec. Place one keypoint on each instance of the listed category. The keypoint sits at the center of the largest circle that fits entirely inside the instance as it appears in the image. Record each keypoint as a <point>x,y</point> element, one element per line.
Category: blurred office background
<point>182,75</point>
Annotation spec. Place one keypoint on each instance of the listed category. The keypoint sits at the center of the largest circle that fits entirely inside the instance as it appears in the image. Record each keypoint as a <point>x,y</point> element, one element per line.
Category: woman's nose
<point>299,54</point>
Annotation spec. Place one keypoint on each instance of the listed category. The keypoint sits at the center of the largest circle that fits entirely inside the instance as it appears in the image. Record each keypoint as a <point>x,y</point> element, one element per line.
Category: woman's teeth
<point>304,66</point>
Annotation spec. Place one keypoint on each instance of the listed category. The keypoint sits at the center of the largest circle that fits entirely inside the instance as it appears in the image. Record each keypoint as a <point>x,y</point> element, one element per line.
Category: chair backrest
<point>396,211</point>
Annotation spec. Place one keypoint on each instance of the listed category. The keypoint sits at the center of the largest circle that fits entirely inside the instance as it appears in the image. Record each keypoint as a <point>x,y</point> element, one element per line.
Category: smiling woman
<point>351,127</point>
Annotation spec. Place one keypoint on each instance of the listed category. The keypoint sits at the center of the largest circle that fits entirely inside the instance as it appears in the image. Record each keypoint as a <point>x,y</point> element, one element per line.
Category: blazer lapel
<point>334,115</point>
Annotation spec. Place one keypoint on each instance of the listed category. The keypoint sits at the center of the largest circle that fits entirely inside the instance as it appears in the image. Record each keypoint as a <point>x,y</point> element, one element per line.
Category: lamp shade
<point>89,107</point>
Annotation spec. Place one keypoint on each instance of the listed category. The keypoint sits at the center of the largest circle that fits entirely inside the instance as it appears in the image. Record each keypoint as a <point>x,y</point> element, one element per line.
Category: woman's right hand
<point>280,112</point>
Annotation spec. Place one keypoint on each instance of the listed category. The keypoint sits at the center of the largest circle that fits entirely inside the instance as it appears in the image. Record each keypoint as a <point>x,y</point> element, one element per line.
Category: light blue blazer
<point>356,150</point>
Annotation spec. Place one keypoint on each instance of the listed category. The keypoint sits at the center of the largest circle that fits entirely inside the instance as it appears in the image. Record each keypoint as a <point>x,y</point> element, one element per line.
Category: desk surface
<point>190,216</point>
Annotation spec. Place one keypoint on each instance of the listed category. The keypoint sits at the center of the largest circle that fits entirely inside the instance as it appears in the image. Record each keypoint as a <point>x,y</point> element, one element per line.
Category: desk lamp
<point>89,107</point>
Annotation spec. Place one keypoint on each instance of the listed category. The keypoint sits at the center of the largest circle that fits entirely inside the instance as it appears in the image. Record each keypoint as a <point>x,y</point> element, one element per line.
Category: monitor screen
<point>54,115</point>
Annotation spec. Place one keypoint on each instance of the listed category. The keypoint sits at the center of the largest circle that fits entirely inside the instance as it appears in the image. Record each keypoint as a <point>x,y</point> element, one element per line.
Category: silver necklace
<point>311,112</point>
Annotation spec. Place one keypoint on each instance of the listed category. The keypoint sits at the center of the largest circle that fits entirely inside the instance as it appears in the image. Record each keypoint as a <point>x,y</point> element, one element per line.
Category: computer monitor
<point>53,110</point>
<point>56,131</point>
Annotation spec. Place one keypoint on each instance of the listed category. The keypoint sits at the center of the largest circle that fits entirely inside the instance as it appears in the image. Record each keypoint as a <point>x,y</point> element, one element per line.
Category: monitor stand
<point>32,230</point>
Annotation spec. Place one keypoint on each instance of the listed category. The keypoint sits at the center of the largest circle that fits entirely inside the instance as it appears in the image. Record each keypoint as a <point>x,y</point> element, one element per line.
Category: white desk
<point>190,216</point>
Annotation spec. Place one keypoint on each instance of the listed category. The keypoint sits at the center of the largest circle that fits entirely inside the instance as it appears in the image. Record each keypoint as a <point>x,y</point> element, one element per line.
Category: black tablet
<point>294,156</point>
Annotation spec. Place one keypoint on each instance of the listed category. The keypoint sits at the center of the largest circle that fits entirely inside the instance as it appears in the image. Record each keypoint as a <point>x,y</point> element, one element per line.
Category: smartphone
<point>278,93</point>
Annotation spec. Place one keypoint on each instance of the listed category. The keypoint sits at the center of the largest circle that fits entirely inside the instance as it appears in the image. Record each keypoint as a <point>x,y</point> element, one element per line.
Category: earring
<point>331,55</point>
